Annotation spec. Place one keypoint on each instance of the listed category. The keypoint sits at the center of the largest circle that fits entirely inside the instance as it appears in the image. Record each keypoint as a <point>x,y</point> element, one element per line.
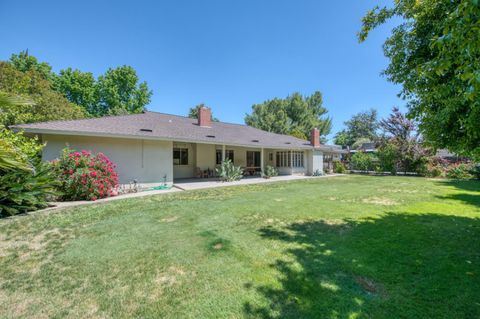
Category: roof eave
<point>143,137</point>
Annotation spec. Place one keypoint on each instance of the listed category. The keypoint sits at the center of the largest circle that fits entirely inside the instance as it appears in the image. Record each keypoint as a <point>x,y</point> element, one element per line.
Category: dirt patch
<point>334,222</point>
<point>379,201</point>
<point>169,277</point>
<point>28,244</point>
<point>169,219</point>
<point>370,286</point>
<point>218,246</point>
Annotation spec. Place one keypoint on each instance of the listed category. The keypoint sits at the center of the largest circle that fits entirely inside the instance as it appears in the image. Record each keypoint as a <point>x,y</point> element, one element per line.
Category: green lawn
<point>340,247</point>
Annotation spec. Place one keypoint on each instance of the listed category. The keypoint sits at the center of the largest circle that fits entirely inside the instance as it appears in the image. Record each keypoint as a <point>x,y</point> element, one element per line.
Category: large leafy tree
<point>25,62</point>
<point>78,87</point>
<point>295,115</point>
<point>119,92</point>
<point>362,126</point>
<point>46,105</point>
<point>193,112</point>
<point>435,55</point>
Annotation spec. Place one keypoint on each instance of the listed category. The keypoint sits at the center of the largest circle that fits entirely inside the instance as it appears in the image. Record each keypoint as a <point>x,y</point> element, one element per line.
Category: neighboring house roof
<point>368,147</point>
<point>153,125</point>
<point>444,153</point>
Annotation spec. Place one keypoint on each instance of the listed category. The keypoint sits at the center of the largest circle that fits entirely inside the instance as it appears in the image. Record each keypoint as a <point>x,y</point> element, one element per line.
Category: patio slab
<point>199,183</point>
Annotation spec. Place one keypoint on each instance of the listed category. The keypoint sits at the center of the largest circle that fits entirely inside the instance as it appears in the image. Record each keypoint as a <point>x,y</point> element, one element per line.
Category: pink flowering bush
<point>85,176</point>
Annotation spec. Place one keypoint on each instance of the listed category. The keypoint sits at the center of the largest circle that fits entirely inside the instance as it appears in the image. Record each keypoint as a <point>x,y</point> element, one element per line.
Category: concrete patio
<point>199,183</point>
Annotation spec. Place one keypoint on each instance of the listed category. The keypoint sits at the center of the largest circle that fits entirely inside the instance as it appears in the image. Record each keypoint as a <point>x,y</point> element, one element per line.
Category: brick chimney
<point>315,137</point>
<point>204,116</point>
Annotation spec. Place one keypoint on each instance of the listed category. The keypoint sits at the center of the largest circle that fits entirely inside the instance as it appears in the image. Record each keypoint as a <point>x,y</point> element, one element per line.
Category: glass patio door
<point>253,159</point>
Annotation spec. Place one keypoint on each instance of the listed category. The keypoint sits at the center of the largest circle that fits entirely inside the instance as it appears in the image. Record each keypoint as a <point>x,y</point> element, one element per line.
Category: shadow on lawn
<point>466,185</point>
<point>397,266</point>
<point>472,186</point>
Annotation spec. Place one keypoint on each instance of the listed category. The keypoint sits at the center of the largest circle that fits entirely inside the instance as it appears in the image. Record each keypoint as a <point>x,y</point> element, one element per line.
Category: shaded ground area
<point>399,265</point>
<point>345,247</point>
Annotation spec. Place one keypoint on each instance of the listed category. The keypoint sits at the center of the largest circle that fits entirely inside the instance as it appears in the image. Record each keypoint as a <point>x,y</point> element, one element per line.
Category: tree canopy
<point>24,62</point>
<point>118,91</point>
<point>46,105</point>
<point>361,126</point>
<point>295,115</point>
<point>78,87</point>
<point>401,143</point>
<point>435,55</point>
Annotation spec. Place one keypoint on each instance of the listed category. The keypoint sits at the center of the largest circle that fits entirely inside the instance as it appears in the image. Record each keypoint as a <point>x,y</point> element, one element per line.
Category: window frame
<point>183,154</point>
<point>290,159</point>
<point>229,154</point>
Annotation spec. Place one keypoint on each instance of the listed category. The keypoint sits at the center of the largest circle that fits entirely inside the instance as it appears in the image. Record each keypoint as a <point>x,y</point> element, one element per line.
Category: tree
<point>193,112</point>
<point>401,136</point>
<point>341,138</point>
<point>24,62</point>
<point>398,126</point>
<point>78,87</point>
<point>47,104</point>
<point>119,92</point>
<point>362,125</point>
<point>435,55</point>
<point>296,115</point>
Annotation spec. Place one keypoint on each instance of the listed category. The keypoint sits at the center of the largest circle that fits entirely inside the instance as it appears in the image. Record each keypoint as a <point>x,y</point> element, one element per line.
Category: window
<point>253,159</point>
<point>290,159</point>
<point>228,155</point>
<point>180,156</point>
<point>270,157</point>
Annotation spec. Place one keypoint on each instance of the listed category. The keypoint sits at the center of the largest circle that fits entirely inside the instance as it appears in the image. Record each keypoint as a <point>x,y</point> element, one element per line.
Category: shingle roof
<point>168,127</point>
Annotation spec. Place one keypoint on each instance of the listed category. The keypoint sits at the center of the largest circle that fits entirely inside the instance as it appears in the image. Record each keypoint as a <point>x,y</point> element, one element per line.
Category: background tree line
<point>68,94</point>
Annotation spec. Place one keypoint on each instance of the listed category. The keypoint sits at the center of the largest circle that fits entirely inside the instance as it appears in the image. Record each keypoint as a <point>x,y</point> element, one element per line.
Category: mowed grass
<point>340,247</point>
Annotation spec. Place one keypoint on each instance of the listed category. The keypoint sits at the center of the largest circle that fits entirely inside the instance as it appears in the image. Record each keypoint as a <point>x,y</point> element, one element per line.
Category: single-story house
<point>369,147</point>
<point>151,147</point>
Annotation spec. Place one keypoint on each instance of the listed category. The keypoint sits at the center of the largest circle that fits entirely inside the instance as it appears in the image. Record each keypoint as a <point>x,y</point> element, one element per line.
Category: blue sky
<point>226,54</point>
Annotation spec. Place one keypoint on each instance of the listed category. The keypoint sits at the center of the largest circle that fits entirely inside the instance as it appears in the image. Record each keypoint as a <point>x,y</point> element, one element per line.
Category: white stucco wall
<point>315,161</point>
<point>147,161</point>
<point>206,156</point>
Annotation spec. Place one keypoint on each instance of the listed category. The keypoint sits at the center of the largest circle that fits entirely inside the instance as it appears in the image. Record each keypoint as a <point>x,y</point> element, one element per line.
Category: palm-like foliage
<point>229,172</point>
<point>8,159</point>
<point>25,183</point>
<point>22,191</point>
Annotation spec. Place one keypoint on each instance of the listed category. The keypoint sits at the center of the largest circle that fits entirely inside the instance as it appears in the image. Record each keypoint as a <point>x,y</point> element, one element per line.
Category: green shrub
<point>363,161</point>
<point>229,172</point>
<point>84,176</point>
<point>434,170</point>
<point>21,149</point>
<point>475,170</point>
<point>25,183</point>
<point>318,172</point>
<point>339,167</point>
<point>459,171</point>
<point>269,171</point>
<point>388,157</point>
<point>22,191</point>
